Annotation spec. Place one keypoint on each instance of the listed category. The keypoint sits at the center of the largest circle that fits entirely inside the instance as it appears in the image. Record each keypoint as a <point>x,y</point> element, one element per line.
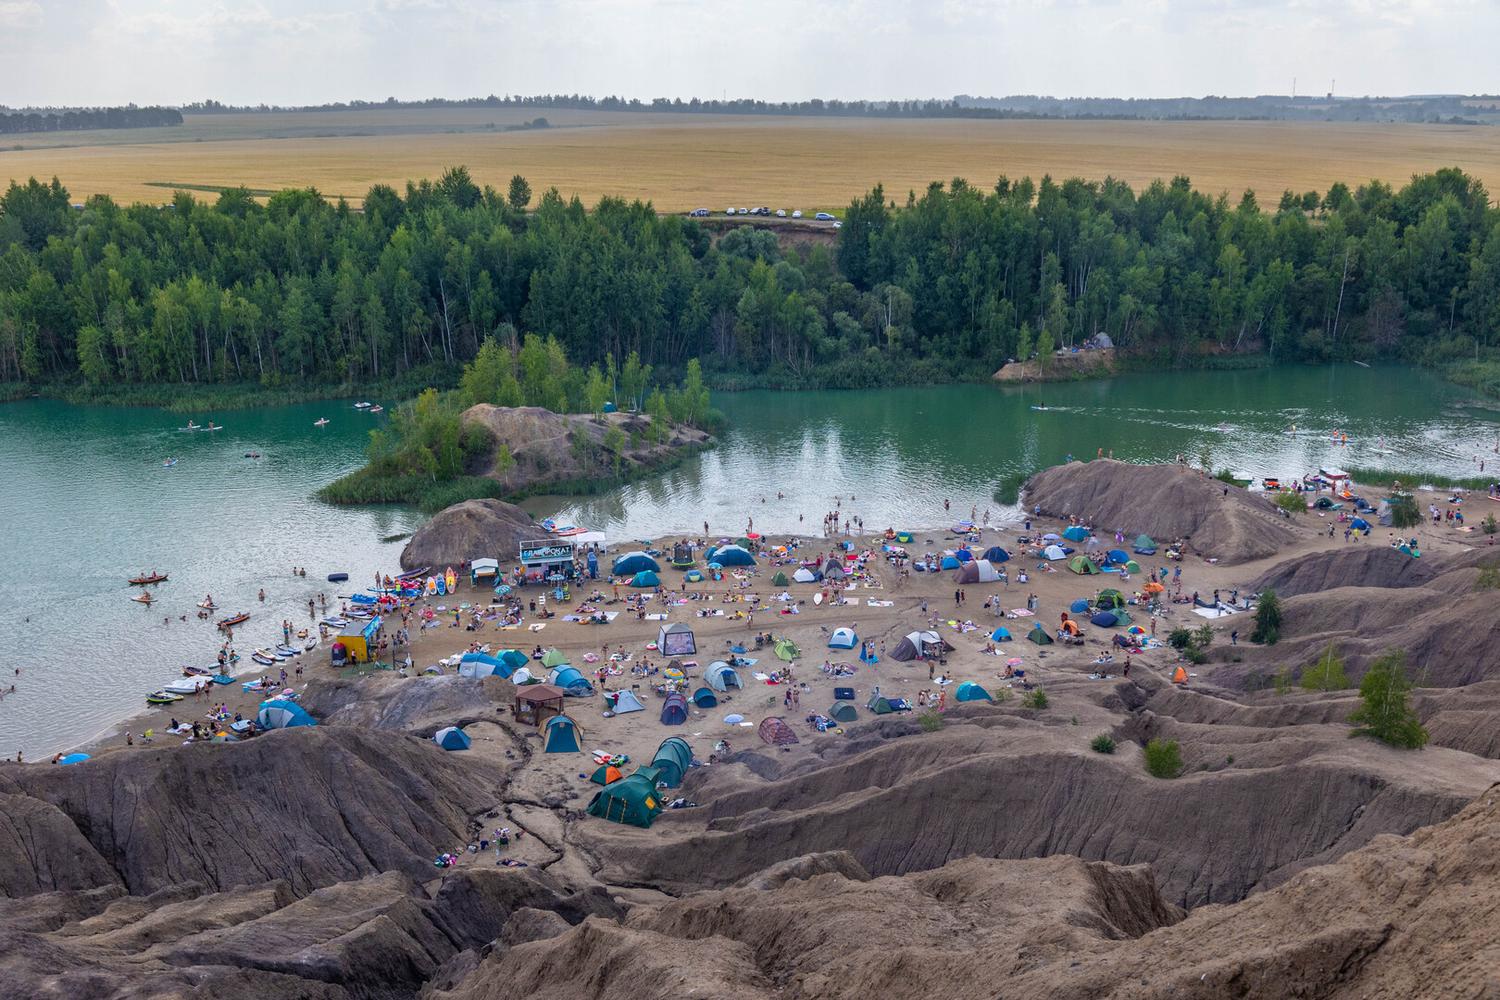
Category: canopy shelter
<point>843,711</point>
<point>534,704</point>
<point>721,676</point>
<point>483,571</point>
<point>731,555</point>
<point>1075,533</point>
<point>674,710</point>
<point>631,800</point>
<point>561,734</point>
<point>624,701</point>
<point>360,640</point>
<point>676,639</point>
<point>1083,565</point>
<point>776,732</point>
<point>672,760</point>
<point>843,638</point>
<point>632,563</point>
<point>969,691</point>
<point>280,714</point>
<point>995,554</point>
<point>451,738</point>
<point>977,571</point>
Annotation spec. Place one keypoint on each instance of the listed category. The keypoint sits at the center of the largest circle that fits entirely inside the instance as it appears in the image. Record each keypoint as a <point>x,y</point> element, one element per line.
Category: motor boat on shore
<point>162,698</point>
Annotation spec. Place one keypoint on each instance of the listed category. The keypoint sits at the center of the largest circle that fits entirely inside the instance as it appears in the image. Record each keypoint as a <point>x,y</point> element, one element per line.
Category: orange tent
<point>607,774</point>
<point>1070,626</point>
<point>1179,676</point>
<point>1153,587</point>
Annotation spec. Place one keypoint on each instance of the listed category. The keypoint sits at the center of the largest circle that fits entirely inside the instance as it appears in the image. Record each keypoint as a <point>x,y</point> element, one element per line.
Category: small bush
<point>1179,638</point>
<point>1036,699</point>
<point>1103,743</point>
<point>1163,759</point>
<point>1292,503</point>
<point>930,722</point>
<point>1327,674</point>
<point>1404,512</point>
<point>1489,525</point>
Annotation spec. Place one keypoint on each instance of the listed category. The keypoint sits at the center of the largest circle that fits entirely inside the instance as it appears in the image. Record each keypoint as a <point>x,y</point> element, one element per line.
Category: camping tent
<point>1039,635</point>
<point>1132,567</point>
<point>1360,524</point>
<point>978,571</point>
<point>571,680</point>
<point>705,698</point>
<point>787,650</point>
<point>632,800</point>
<point>674,710</point>
<point>1144,546</point>
<point>1054,552</point>
<point>1117,557</point>
<point>805,575</point>
<point>451,738</point>
<point>1001,634</point>
<point>606,774</point>
<point>279,714</point>
<point>843,711</point>
<point>645,578</point>
<point>693,576</point>
<point>632,563</point>
<point>950,562</point>
<point>626,701</point>
<point>732,555</point>
<point>676,640</point>
<point>843,638</point>
<point>1078,607</point>
<point>914,644</point>
<point>672,760</point>
<point>560,734</point>
<point>776,732</point>
<point>1082,565</point>
<point>484,665</point>
<point>879,705</point>
<point>833,570</point>
<point>969,691</point>
<point>1109,598</point>
<point>1076,533</point>
<point>1105,619</point>
<point>554,657</point>
<point>721,676</point>
<point>995,554</point>
<point>779,580</point>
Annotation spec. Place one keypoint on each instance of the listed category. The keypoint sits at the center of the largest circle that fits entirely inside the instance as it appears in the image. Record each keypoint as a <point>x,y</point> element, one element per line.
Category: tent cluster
<point>633,798</point>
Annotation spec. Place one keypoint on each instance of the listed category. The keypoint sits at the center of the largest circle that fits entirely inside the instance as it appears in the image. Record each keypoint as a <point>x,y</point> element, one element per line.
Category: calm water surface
<point>85,502</point>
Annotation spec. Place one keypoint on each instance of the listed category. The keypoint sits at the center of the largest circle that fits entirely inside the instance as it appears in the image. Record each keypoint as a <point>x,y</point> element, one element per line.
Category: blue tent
<point>963,555</point>
<point>483,664</point>
<point>672,760</point>
<point>732,555</point>
<point>1079,606</point>
<point>996,555</point>
<point>693,576</point>
<point>1360,524</point>
<point>1105,619</point>
<point>451,738</point>
<point>645,578</point>
<point>705,698</point>
<point>674,710</point>
<point>560,735</point>
<point>1001,634</point>
<point>573,683</point>
<point>721,676</point>
<point>843,638</point>
<point>969,691</point>
<point>280,714</point>
<point>1076,533</point>
<point>634,562</point>
<point>950,562</point>
<point>1117,557</point>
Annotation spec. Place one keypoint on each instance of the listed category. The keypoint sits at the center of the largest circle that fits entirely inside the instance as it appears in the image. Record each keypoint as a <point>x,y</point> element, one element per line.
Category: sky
<point>99,52</point>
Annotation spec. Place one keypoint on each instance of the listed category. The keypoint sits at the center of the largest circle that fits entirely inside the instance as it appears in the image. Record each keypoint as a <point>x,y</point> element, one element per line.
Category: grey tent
<point>843,711</point>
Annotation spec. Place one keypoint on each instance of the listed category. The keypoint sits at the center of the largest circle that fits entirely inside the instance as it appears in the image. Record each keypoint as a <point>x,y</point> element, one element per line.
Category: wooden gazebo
<point>536,703</point>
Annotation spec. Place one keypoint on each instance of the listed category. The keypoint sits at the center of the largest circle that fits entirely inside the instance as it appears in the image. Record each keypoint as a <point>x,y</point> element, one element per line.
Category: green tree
<point>520,193</point>
<point>1385,710</point>
<point>482,377</point>
<point>596,391</point>
<point>1045,345</point>
<point>1326,673</point>
<point>661,418</point>
<point>614,446</point>
<point>1404,512</point>
<point>1267,619</point>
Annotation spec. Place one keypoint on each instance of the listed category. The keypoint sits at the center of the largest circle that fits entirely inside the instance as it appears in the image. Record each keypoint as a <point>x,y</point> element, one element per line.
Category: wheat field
<point>680,162</point>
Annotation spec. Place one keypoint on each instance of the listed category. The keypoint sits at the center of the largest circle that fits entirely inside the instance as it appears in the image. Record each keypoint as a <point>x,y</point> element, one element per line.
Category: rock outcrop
<point>470,530</point>
<point>1167,502</point>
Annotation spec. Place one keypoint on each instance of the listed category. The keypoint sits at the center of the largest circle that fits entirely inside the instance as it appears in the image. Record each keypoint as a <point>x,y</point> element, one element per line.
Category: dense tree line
<point>299,291</point>
<point>74,119</point>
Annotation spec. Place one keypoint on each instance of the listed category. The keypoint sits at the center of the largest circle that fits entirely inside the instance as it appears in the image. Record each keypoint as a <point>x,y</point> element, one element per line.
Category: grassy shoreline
<point>1412,478</point>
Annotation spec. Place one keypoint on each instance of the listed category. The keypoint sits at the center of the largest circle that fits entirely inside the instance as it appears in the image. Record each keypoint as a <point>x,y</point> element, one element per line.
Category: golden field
<point>683,161</point>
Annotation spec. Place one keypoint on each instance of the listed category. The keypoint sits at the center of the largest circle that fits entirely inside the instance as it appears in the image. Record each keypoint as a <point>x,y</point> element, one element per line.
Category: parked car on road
<point>728,211</point>
<point>824,217</point>
<point>781,213</point>
<point>796,213</point>
<point>699,213</point>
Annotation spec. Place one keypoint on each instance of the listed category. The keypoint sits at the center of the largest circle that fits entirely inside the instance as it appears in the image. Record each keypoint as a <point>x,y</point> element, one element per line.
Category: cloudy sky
<point>311,51</point>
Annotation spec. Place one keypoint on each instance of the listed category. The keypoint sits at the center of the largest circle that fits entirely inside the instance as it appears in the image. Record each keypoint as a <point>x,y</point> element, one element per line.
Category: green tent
<point>1109,599</point>
<point>969,691</point>
<point>1122,617</point>
<point>632,800</point>
<point>1132,567</point>
<point>1144,544</point>
<point>554,658</point>
<point>606,774</point>
<point>779,580</point>
<point>1039,635</point>
<point>672,760</point>
<point>1083,565</point>
<point>787,650</point>
<point>843,711</point>
<point>879,705</point>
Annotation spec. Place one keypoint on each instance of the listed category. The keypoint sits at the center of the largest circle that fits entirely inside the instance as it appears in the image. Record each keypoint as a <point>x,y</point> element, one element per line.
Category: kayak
<point>145,578</point>
<point>162,698</point>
